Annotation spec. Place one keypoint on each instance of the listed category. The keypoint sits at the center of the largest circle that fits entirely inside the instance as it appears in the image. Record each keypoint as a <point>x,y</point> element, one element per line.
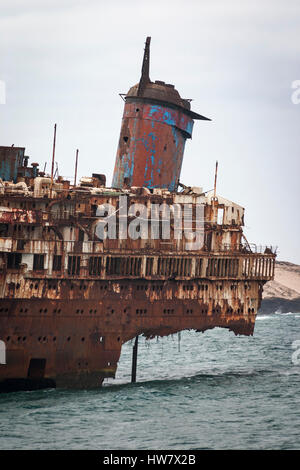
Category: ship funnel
<point>156,123</point>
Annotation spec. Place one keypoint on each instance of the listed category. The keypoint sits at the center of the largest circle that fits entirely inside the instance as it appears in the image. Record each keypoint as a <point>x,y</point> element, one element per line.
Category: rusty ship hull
<point>74,288</point>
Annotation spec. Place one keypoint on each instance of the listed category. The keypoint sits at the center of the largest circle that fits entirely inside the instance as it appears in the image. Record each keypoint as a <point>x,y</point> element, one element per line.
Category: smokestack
<point>156,123</point>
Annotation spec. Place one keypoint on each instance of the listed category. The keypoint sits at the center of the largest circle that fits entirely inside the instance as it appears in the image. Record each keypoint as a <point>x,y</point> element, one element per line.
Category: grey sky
<point>66,61</point>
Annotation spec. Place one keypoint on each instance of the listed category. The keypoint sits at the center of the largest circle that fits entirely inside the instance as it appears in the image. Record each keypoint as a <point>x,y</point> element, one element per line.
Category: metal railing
<point>249,248</point>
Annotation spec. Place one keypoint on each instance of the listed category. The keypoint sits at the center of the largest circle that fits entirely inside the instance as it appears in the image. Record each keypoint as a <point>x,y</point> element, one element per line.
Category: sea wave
<point>192,398</point>
<point>264,317</point>
<point>278,312</point>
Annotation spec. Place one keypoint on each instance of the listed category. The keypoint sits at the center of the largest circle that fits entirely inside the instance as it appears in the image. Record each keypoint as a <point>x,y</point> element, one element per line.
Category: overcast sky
<point>66,61</point>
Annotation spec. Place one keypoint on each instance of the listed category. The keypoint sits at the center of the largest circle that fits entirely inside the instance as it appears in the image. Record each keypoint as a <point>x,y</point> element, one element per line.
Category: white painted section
<point>27,258</point>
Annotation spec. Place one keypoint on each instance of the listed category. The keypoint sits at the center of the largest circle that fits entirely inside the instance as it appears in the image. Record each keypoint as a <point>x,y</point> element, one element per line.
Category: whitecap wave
<point>284,313</point>
<point>264,317</point>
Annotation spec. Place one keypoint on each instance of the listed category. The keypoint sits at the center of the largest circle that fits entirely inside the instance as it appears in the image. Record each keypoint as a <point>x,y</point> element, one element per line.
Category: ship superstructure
<point>85,268</point>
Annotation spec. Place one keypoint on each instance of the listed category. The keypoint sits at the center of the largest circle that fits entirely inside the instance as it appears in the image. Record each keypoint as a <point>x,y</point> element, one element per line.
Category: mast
<point>215,185</point>
<point>53,155</point>
<point>215,199</point>
<point>76,163</point>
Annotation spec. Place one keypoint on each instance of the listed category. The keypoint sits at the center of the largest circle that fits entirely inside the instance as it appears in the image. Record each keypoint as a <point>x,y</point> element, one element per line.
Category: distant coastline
<point>282,294</point>
<point>276,304</point>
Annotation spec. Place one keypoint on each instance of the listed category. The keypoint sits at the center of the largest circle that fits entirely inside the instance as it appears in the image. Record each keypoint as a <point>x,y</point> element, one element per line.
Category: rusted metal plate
<point>151,147</point>
<point>12,216</point>
<point>11,158</point>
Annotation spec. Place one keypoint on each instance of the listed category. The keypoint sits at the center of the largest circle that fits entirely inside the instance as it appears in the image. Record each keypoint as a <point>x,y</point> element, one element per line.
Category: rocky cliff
<point>282,294</point>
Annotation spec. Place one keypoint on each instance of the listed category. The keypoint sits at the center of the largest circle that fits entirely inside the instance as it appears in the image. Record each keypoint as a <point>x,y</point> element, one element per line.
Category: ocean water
<point>211,390</point>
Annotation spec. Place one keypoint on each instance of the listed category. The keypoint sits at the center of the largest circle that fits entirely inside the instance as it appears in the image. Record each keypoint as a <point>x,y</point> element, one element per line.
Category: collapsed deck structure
<point>85,267</point>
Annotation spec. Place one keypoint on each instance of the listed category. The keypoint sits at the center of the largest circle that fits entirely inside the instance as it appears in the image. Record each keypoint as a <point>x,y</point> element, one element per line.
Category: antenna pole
<point>76,163</point>
<point>215,205</point>
<point>215,185</point>
<point>53,155</point>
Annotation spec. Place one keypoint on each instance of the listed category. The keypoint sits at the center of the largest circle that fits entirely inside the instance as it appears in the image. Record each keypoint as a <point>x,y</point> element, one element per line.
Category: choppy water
<point>219,391</point>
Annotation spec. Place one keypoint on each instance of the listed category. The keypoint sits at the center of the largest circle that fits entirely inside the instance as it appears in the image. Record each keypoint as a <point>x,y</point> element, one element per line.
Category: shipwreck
<point>86,267</point>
